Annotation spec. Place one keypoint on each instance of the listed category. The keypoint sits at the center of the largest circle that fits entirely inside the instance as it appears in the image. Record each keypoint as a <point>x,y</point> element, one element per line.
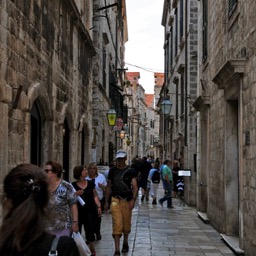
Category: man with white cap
<point>122,185</point>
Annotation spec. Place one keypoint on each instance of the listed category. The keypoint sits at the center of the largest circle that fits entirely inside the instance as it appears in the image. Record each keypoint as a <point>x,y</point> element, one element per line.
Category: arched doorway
<point>35,135</point>
<point>66,137</point>
<point>111,150</point>
<point>82,147</point>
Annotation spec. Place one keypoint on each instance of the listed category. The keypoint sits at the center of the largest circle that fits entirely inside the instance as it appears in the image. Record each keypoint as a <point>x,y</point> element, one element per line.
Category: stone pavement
<point>159,231</point>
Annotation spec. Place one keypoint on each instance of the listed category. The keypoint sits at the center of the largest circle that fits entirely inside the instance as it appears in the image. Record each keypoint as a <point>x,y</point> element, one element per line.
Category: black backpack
<point>156,177</point>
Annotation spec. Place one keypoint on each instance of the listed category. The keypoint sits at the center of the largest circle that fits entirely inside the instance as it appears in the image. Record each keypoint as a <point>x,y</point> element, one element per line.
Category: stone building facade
<point>159,81</point>
<point>137,118</point>
<point>109,37</point>
<point>50,55</point>
<point>226,118</point>
<point>180,131</point>
<point>46,54</point>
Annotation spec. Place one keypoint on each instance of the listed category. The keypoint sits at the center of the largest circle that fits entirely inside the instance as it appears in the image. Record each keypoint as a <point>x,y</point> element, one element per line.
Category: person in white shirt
<point>154,183</point>
<point>100,185</point>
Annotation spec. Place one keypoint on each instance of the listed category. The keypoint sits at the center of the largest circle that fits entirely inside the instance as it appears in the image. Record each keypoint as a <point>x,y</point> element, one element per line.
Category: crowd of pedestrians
<point>39,205</point>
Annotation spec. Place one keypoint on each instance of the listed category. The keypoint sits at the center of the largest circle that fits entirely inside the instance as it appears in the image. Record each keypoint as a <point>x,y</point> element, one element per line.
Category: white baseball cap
<point>121,154</point>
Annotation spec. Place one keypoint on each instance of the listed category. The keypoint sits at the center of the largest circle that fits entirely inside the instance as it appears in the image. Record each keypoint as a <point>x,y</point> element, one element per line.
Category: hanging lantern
<point>128,141</point>
<point>166,106</point>
<point>111,115</point>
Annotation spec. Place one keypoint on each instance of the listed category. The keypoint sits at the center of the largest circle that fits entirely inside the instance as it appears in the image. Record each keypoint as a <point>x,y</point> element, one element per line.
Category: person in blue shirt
<point>161,169</point>
<point>167,184</point>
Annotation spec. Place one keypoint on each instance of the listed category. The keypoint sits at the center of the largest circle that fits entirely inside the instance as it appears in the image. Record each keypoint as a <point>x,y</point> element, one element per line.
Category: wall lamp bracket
<point>121,69</point>
<point>107,6</point>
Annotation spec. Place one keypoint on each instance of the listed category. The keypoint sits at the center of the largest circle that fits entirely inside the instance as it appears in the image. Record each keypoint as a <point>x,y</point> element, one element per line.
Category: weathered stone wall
<point>183,80</point>
<point>192,90</point>
<point>231,38</point>
<point>46,49</point>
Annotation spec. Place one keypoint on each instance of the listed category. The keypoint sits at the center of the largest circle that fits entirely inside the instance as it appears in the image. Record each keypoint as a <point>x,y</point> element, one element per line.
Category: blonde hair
<point>93,165</point>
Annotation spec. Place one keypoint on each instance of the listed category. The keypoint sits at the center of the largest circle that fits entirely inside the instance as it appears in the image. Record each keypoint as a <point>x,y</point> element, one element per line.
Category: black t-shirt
<point>41,247</point>
<point>121,180</point>
<point>87,196</point>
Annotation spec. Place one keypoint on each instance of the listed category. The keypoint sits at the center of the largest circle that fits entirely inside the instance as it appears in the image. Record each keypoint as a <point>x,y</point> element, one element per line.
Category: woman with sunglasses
<point>63,213</point>
<point>86,190</point>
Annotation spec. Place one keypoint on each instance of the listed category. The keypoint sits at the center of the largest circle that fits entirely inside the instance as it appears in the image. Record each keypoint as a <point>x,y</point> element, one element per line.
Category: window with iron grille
<point>231,6</point>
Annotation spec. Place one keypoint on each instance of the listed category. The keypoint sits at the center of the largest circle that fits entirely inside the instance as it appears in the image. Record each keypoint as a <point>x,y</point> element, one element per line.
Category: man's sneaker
<point>160,202</point>
<point>125,248</point>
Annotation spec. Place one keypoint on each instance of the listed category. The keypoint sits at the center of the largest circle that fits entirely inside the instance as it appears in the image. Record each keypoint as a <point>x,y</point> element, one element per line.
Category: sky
<point>144,49</point>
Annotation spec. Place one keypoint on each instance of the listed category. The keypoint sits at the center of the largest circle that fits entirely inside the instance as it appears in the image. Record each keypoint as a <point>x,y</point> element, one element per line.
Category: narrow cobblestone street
<point>159,231</point>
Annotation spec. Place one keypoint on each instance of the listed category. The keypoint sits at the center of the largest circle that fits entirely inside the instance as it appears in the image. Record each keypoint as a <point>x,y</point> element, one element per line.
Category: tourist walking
<point>63,213</point>
<point>86,213</point>
<point>167,183</point>
<point>100,186</point>
<point>154,178</point>
<point>25,200</point>
<point>122,185</point>
<point>144,170</point>
<point>161,174</point>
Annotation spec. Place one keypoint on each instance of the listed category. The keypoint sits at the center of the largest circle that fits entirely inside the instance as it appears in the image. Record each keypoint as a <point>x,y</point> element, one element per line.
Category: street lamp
<point>111,115</point>
<point>166,107</point>
<point>122,134</point>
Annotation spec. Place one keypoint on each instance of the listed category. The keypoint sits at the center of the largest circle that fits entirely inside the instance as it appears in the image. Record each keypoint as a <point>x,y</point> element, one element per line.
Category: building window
<point>181,19</point>
<point>177,99</point>
<point>182,100</point>
<point>176,32</point>
<point>66,144</point>
<point>152,124</point>
<point>171,48</point>
<point>82,146</point>
<point>231,6</point>
<point>104,66</point>
<point>205,30</point>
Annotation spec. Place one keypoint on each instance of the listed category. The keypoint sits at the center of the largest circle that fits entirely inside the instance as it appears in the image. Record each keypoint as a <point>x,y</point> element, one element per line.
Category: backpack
<point>156,177</point>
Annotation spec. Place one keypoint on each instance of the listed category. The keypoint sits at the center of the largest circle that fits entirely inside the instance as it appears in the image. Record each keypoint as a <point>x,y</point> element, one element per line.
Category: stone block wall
<point>229,72</point>
<point>46,51</point>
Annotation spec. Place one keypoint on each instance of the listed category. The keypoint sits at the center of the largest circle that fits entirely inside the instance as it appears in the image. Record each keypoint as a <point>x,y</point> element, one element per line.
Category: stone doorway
<point>35,135</point>
<point>66,144</point>
<point>231,169</point>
